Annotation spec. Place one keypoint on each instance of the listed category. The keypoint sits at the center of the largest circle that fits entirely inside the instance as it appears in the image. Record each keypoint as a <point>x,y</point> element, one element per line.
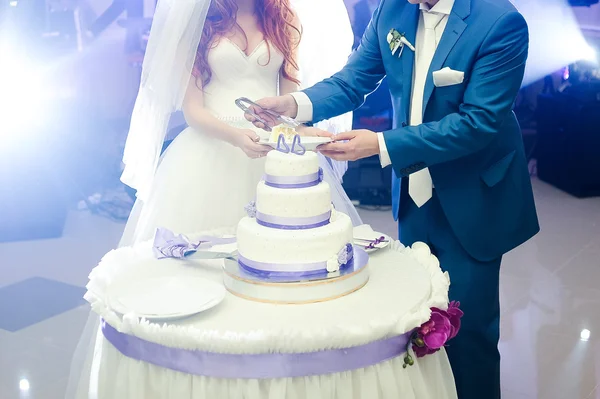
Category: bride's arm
<point>199,118</point>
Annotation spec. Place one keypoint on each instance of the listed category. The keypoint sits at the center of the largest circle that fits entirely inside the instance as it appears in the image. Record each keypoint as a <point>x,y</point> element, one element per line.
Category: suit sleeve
<point>346,90</point>
<point>488,100</point>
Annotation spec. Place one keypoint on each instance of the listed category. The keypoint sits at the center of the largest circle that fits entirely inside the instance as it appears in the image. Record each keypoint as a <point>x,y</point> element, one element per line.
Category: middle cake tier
<point>301,204</point>
<point>295,251</point>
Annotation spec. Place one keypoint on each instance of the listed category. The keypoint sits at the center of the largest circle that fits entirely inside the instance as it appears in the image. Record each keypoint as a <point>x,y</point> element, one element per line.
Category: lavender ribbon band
<point>256,366</point>
<point>266,270</point>
<point>293,223</point>
<point>294,181</point>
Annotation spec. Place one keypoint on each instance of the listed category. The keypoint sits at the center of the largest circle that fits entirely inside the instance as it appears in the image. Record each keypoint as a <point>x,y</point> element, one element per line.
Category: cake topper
<point>297,147</point>
<point>282,145</point>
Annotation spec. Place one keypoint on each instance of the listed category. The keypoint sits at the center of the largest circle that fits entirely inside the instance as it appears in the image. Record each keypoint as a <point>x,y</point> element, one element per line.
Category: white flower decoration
<point>333,265</point>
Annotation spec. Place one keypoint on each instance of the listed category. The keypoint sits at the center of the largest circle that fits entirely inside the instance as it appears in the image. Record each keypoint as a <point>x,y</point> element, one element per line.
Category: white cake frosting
<point>289,227</point>
<point>282,164</point>
<point>293,202</point>
<point>289,247</point>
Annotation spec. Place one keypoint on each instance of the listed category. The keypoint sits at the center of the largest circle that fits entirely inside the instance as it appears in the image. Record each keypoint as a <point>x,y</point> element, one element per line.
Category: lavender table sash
<point>293,223</point>
<point>256,366</point>
<point>292,269</point>
<point>294,181</point>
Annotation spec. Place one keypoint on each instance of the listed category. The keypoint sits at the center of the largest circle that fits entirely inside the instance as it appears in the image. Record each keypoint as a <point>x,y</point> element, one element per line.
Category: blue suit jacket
<point>470,139</point>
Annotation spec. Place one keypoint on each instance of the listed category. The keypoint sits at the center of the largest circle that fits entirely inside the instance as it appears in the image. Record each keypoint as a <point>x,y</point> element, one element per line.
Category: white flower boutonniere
<point>398,41</point>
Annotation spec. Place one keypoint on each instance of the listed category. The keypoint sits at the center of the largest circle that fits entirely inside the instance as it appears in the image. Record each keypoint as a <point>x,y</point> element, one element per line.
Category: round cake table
<point>404,284</point>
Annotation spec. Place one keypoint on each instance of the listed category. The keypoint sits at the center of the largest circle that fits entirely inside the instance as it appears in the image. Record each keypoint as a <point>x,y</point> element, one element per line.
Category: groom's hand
<point>282,105</point>
<point>351,146</point>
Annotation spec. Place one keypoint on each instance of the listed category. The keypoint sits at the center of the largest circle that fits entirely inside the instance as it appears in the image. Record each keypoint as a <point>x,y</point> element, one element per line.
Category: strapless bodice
<point>235,74</point>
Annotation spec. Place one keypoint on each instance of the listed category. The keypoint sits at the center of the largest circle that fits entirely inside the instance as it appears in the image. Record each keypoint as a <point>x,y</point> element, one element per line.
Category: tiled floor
<point>550,296</point>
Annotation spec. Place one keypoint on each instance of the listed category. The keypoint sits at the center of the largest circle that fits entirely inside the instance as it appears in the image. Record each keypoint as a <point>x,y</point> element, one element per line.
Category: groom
<point>461,182</point>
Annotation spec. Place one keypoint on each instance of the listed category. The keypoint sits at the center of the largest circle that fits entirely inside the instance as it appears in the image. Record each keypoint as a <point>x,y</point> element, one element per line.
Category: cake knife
<point>244,104</point>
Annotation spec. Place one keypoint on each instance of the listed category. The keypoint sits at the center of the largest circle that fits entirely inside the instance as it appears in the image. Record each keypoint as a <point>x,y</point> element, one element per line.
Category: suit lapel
<point>454,29</point>
<point>408,25</point>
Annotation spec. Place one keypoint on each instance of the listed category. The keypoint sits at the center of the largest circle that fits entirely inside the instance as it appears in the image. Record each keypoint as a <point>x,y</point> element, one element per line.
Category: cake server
<point>244,104</point>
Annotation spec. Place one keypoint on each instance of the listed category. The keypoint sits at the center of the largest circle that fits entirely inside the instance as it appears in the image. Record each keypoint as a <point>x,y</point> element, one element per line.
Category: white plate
<point>165,297</point>
<point>310,143</point>
<point>364,234</point>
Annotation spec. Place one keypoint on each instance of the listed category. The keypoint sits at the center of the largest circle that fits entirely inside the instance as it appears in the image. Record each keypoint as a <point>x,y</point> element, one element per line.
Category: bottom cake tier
<point>275,251</point>
<point>301,290</point>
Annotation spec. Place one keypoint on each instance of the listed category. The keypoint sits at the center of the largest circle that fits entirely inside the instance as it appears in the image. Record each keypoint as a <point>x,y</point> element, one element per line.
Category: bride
<point>202,55</point>
<point>248,48</point>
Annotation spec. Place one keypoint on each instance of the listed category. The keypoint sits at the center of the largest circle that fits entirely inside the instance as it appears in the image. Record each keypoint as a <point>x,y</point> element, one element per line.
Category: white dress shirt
<point>305,108</point>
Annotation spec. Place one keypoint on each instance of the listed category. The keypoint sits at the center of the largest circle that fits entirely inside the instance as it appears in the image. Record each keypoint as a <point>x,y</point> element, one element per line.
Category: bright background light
<point>24,385</point>
<point>27,94</point>
<point>588,53</point>
<point>555,38</point>
<point>585,334</point>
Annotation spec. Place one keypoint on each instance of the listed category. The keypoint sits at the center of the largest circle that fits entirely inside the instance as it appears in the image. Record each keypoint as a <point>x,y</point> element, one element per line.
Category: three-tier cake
<point>292,232</point>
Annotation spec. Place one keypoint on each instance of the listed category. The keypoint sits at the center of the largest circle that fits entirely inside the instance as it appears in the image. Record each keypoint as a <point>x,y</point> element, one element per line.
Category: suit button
<point>404,124</point>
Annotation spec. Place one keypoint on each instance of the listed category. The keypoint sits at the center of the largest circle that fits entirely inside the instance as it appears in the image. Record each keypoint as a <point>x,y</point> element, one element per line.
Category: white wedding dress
<point>203,183</point>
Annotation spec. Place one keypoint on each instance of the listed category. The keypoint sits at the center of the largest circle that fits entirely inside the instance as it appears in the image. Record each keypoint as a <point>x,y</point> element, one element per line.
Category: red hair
<point>276,21</point>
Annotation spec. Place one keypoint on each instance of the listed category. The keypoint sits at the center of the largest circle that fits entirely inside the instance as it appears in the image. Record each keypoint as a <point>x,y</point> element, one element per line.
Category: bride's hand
<point>247,141</point>
<point>308,131</point>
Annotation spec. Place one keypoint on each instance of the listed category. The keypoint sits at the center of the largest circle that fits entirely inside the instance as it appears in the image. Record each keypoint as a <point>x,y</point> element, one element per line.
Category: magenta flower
<point>435,333</point>
<point>454,314</point>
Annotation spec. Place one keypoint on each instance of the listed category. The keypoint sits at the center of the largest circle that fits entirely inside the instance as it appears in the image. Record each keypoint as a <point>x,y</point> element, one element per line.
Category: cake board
<point>297,290</point>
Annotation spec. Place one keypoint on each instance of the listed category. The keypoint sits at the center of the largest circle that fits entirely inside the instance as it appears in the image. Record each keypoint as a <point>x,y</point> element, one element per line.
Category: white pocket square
<point>447,77</point>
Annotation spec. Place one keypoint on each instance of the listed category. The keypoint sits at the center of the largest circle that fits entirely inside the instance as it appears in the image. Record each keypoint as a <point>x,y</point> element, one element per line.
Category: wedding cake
<point>291,228</point>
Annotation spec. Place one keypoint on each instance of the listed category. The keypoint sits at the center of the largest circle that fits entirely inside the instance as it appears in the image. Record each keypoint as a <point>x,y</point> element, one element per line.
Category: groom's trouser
<point>473,353</point>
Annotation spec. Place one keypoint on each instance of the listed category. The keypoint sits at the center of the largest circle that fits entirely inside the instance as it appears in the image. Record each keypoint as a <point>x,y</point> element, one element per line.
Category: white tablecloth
<point>404,285</point>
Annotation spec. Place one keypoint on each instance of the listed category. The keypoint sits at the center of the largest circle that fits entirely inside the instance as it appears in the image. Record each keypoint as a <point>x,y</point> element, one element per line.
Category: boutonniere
<point>397,41</point>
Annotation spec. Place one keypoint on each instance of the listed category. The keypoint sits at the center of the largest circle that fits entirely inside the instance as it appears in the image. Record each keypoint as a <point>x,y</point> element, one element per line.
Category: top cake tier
<point>279,164</point>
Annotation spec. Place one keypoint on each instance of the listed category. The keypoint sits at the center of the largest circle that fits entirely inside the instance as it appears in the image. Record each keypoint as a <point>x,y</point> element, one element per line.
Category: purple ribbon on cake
<point>169,245</point>
<point>294,181</point>
<point>293,223</point>
<point>257,366</point>
<point>342,260</point>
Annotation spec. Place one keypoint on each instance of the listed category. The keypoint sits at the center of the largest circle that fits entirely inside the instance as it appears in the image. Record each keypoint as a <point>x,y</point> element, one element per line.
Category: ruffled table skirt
<point>122,377</point>
<point>404,284</point>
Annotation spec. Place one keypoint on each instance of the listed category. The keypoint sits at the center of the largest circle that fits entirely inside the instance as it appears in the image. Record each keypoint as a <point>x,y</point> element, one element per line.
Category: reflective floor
<point>549,292</point>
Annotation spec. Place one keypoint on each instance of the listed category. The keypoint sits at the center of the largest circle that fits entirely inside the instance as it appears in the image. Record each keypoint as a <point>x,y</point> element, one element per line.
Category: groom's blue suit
<point>482,205</point>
